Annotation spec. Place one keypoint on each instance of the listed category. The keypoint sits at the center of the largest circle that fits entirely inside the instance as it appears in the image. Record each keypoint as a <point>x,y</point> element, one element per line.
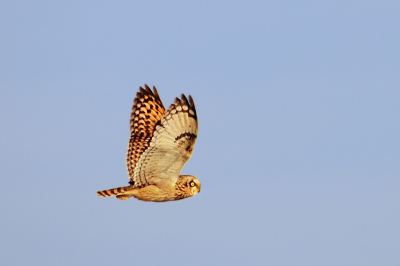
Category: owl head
<point>192,184</point>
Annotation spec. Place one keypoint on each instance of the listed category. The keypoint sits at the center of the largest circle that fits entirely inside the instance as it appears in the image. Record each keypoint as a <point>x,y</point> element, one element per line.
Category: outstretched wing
<point>147,112</point>
<point>170,147</point>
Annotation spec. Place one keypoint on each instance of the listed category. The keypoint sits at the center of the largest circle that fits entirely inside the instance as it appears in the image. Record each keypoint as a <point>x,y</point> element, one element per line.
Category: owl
<point>161,142</point>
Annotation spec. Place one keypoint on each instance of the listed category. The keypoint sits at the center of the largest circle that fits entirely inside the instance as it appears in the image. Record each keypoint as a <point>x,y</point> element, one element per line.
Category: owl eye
<point>192,184</point>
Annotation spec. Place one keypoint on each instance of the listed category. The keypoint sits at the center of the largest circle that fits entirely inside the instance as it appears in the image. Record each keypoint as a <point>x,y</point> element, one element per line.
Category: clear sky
<point>299,123</point>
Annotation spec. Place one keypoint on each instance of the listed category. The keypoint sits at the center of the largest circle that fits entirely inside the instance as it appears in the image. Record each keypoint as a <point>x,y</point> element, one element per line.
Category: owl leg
<point>124,197</point>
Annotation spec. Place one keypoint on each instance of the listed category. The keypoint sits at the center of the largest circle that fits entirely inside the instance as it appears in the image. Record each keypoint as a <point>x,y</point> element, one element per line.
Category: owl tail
<point>119,192</point>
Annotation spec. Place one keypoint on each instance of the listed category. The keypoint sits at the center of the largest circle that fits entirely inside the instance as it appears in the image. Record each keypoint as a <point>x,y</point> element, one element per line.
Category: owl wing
<point>163,153</point>
<point>147,111</point>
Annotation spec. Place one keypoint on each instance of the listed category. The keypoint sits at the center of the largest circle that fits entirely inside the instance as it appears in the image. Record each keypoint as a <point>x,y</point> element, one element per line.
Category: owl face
<point>194,185</point>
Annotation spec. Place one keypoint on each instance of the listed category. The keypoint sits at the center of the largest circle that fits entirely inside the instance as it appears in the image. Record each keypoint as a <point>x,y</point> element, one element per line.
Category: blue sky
<point>298,148</point>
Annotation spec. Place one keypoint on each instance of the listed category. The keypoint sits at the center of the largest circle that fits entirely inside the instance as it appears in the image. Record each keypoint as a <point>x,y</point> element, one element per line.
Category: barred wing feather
<point>147,112</point>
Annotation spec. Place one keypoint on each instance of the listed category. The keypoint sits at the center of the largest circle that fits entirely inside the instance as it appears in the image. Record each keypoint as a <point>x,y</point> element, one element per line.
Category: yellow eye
<point>192,184</point>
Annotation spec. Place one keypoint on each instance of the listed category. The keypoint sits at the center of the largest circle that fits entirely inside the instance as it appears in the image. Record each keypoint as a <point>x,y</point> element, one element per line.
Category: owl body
<point>161,142</point>
<point>182,189</point>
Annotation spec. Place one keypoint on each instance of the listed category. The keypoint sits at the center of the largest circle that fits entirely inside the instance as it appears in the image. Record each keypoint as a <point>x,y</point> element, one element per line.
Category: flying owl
<point>161,143</point>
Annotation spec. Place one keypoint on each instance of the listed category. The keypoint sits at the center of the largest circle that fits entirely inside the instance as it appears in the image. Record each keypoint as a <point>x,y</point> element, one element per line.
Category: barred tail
<point>119,191</point>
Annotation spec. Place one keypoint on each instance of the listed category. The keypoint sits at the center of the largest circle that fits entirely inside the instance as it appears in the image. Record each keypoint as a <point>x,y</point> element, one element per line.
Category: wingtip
<point>184,99</point>
<point>191,102</point>
<point>155,91</point>
<point>148,90</point>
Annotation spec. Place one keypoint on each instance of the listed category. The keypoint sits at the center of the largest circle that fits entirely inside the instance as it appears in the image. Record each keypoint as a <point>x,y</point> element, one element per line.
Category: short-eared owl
<point>161,143</point>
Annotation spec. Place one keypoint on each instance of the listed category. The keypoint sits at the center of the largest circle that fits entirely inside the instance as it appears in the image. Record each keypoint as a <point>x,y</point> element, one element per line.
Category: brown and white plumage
<point>161,142</point>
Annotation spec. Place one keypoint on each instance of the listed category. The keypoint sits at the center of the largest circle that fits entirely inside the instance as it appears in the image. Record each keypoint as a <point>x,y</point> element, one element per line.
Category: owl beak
<point>198,186</point>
